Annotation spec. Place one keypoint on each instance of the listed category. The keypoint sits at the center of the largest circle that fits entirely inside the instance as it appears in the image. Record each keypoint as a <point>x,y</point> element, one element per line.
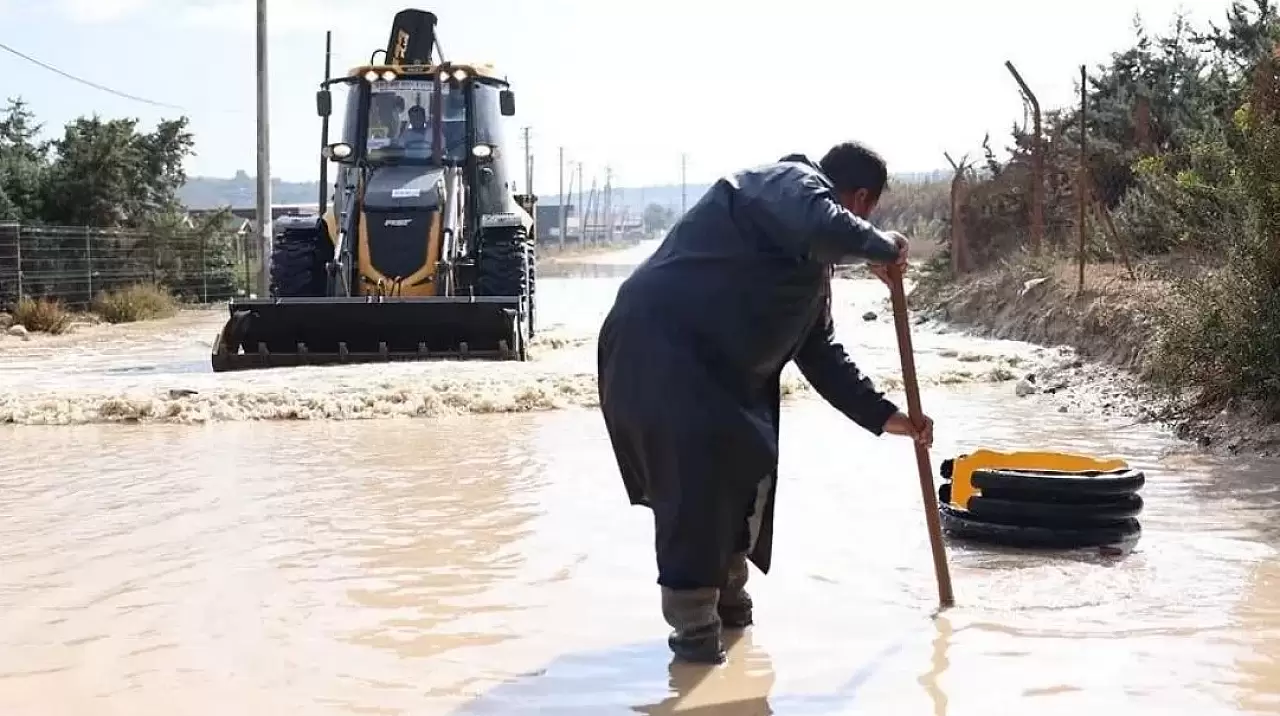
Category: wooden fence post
<point>1082,190</point>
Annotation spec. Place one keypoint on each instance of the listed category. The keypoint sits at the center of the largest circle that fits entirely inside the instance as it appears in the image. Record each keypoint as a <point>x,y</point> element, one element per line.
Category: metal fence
<point>1048,203</point>
<point>74,264</point>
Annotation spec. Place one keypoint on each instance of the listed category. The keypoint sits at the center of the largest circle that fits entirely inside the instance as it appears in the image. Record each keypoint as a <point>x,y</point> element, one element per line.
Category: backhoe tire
<point>298,259</point>
<point>505,267</point>
<point>533,287</point>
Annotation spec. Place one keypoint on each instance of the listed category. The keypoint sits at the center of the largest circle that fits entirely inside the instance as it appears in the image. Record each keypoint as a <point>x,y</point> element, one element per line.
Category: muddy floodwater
<point>454,539</point>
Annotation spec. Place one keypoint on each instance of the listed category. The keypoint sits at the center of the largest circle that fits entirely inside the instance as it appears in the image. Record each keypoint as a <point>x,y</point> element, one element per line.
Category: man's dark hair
<point>852,166</point>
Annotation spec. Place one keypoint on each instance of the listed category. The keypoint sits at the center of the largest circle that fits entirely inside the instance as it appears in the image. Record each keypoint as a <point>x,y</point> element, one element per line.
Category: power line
<point>82,81</point>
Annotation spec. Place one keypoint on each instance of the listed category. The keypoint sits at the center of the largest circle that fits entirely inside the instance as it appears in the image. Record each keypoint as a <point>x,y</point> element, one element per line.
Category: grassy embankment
<point>1187,335</point>
<point>1036,301</point>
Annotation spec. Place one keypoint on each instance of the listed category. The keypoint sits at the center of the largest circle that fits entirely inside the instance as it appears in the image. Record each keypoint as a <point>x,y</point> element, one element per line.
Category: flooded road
<point>482,559</point>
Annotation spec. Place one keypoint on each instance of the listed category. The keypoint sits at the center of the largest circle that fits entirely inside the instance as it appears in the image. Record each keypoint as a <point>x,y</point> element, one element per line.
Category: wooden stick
<point>911,385</point>
<point>1120,243</point>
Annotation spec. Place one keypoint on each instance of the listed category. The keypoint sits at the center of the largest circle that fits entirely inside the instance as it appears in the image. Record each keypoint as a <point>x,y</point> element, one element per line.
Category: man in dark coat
<point>690,360</point>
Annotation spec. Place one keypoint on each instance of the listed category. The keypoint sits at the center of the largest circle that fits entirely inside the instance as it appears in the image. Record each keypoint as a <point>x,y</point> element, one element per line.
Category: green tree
<point>1221,333</point>
<point>107,173</point>
<point>23,163</point>
<point>1249,36</point>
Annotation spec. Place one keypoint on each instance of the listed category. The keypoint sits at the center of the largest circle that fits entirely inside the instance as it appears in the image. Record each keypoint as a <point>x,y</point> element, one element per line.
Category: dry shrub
<point>40,315</point>
<point>139,302</point>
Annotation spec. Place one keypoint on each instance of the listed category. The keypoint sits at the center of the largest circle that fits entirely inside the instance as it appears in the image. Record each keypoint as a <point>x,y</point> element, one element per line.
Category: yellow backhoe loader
<point>427,251</point>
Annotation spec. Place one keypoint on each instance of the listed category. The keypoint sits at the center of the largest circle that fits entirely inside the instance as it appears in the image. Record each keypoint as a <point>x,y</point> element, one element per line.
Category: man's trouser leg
<point>734,606</point>
<point>695,626</point>
<point>695,543</point>
<point>735,603</point>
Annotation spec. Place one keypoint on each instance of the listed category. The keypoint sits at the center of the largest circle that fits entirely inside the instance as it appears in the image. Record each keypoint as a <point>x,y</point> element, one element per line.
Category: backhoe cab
<point>426,251</point>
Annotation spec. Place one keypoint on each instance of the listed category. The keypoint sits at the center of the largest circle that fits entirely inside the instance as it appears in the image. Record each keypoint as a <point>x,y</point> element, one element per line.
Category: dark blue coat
<point>691,353</point>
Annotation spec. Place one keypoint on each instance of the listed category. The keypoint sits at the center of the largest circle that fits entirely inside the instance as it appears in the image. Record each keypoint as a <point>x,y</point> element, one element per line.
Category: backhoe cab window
<point>491,126</point>
<point>400,116</point>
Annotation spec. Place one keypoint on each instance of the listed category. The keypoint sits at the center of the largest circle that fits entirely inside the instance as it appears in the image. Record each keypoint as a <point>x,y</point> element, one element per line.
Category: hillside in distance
<point>239,191</point>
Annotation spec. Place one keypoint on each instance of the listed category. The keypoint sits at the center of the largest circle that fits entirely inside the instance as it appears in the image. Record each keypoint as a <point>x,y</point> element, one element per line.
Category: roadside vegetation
<point>1182,282</point>
<point>90,221</point>
<point>139,302</point>
<point>41,315</point>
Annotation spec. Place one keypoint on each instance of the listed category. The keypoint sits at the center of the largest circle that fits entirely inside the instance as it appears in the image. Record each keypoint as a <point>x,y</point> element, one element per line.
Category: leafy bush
<point>1221,333</point>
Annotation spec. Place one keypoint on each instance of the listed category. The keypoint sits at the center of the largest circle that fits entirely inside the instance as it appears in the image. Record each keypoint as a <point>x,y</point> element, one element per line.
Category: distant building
<point>624,227</point>
<point>243,219</point>
<point>548,225</point>
<point>278,210</point>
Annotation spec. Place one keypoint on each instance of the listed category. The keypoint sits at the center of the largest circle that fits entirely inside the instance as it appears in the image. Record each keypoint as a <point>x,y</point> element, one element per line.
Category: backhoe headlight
<point>460,75</point>
<point>371,76</point>
<point>337,151</point>
<point>388,75</point>
<point>482,150</point>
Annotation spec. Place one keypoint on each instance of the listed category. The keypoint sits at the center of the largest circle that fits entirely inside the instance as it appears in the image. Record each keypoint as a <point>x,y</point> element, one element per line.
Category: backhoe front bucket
<point>270,333</point>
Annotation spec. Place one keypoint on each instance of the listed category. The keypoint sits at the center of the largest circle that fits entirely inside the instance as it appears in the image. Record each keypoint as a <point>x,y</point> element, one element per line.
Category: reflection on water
<point>577,682</point>
<point>1258,614</point>
<point>570,269</point>
<point>489,564</point>
<point>930,680</point>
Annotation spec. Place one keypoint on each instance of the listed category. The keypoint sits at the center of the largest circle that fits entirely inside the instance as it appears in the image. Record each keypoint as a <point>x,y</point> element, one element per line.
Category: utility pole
<point>684,161</point>
<point>528,164</point>
<point>563,219</point>
<point>264,153</point>
<point>582,209</point>
<point>595,209</point>
<point>608,203</point>
<point>622,211</point>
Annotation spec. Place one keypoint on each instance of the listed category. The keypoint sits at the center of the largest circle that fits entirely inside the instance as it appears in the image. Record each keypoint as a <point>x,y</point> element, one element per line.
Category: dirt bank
<point>1110,325</point>
<point>1109,322</point>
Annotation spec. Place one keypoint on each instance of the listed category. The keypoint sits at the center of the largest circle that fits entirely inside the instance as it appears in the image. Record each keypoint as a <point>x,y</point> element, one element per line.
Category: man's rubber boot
<point>735,604</point>
<point>695,625</point>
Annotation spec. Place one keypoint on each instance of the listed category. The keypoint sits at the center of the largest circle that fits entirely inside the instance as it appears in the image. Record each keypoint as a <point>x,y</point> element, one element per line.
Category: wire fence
<point>74,264</point>
<point>1050,199</point>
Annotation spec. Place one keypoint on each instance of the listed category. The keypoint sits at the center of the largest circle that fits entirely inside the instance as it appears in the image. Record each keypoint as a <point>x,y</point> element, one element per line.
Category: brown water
<point>470,563</point>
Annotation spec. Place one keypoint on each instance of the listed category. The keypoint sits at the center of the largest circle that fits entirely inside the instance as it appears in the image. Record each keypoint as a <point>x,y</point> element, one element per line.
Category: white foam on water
<point>160,371</point>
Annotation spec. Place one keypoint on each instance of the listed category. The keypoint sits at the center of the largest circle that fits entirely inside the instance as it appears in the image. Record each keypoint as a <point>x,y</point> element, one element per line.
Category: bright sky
<point>619,82</point>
